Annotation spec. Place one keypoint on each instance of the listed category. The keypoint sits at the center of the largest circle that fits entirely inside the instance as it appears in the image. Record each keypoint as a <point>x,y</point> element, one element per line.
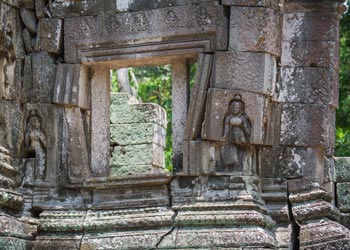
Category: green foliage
<point>343,112</point>
<point>114,81</point>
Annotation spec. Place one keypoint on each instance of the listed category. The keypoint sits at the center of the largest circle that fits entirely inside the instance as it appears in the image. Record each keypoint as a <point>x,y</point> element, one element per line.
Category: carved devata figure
<point>35,142</point>
<point>236,133</point>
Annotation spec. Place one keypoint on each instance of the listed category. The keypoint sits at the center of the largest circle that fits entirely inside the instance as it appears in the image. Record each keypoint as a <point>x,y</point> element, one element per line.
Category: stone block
<point>137,133</point>
<point>307,125</point>
<point>273,124</point>
<point>310,54</point>
<point>29,19</point>
<point>44,73</point>
<point>323,234</point>
<point>77,137</point>
<point>140,154</point>
<point>10,78</point>
<point>51,31</point>
<point>11,42</point>
<point>343,196</point>
<point>134,170</point>
<point>253,3</point>
<point>73,8</point>
<point>138,113</point>
<point>311,26</point>
<point>298,6</point>
<point>71,86</point>
<point>200,157</point>
<point>342,169</point>
<point>11,126</point>
<point>196,107</point>
<point>308,85</point>
<point>245,71</point>
<point>217,106</point>
<point>255,29</point>
<point>291,162</point>
<point>329,170</point>
<point>100,120</point>
<point>127,197</point>
<point>122,98</point>
<point>28,4</point>
<point>171,27</point>
<point>27,82</point>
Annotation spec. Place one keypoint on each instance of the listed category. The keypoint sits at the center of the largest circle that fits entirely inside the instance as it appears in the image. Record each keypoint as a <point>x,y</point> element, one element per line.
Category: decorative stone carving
<point>217,103</point>
<point>35,143</point>
<point>236,133</point>
<point>245,71</point>
<point>203,21</point>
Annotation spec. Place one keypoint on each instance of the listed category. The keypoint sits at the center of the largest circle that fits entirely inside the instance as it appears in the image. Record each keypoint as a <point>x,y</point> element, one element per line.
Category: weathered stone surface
<point>11,43</point>
<point>28,4</point>
<point>255,29</point>
<point>196,107</point>
<point>28,40</point>
<point>29,19</point>
<point>273,124</point>
<point>138,113</point>
<point>217,105</point>
<point>44,73</point>
<point>307,125</point>
<point>180,98</point>
<point>132,196</point>
<point>253,3</point>
<point>135,170</point>
<point>11,77</point>
<point>201,157</point>
<point>14,228</point>
<point>290,163</point>
<point>311,54</point>
<point>11,126</point>
<point>27,83</point>
<point>72,86</point>
<point>137,133</point>
<point>310,26</point>
<point>308,6</point>
<point>203,22</point>
<point>342,169</point>
<point>324,234</point>
<point>343,197</point>
<point>73,8</point>
<point>137,141</point>
<point>15,243</point>
<point>77,149</point>
<point>308,85</point>
<point>51,31</point>
<point>140,154</point>
<point>233,237</point>
<point>245,71</point>
<point>100,120</point>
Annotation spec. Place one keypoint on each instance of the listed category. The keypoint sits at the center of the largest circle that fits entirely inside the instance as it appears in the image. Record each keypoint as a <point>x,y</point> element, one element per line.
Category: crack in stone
<point>295,227</point>
<point>83,228</point>
<point>173,226</point>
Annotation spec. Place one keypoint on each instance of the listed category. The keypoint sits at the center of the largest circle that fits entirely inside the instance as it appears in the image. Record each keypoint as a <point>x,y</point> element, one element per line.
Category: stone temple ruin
<point>253,140</point>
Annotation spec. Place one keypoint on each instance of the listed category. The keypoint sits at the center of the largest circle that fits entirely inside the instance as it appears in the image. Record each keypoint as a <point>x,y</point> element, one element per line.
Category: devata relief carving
<point>35,143</point>
<point>236,133</point>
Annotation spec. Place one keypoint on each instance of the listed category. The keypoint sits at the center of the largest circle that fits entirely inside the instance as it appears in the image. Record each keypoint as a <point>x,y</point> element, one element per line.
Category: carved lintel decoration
<point>236,133</point>
<point>35,143</point>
